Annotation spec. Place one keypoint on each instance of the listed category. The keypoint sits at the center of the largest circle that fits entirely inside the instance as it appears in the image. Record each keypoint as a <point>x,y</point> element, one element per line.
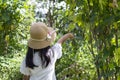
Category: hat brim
<point>42,44</point>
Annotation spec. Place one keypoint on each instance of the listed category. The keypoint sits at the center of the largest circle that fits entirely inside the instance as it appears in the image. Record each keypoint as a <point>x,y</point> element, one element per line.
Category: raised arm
<point>65,37</point>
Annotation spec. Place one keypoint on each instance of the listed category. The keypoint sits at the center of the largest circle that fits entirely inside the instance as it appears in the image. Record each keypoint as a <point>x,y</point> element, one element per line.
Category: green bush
<point>10,67</point>
<point>15,19</point>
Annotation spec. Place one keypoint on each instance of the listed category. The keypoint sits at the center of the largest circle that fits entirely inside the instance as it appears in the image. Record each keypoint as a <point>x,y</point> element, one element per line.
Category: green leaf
<point>71,26</point>
<point>1,23</point>
<point>117,56</point>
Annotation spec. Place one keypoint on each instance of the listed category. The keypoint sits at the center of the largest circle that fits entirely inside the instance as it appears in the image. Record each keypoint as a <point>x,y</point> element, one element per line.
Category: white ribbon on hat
<point>46,38</point>
<point>38,39</point>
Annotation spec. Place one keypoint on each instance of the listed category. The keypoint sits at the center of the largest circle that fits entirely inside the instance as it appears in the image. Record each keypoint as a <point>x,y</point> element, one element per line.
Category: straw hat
<point>41,36</point>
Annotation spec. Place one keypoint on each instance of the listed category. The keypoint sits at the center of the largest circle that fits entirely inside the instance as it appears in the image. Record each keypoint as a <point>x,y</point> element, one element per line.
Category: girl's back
<point>42,72</point>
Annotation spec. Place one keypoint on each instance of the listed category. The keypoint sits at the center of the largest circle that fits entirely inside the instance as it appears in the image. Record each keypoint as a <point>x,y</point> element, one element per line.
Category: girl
<point>39,63</point>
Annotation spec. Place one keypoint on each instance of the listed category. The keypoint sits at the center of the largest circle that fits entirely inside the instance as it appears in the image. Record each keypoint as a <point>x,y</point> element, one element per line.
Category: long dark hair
<point>45,58</point>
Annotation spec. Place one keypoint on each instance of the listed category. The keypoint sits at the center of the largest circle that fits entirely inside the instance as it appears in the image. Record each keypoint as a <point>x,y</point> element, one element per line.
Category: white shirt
<point>39,73</point>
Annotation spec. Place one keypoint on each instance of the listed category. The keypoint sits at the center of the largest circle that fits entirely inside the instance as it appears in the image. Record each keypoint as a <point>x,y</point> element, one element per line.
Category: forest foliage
<point>92,55</point>
<point>15,19</point>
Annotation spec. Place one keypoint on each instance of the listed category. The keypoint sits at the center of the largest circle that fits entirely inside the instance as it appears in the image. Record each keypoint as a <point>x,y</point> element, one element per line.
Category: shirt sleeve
<point>23,69</point>
<point>57,48</point>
